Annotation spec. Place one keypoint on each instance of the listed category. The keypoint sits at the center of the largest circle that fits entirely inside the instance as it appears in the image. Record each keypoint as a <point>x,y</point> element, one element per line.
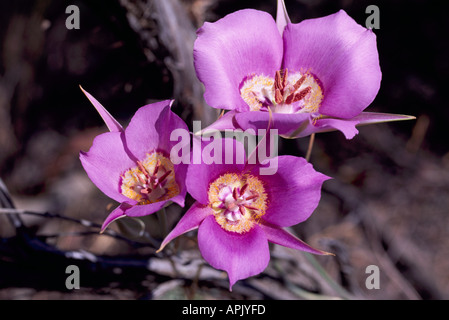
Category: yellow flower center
<point>297,92</point>
<point>152,180</point>
<point>238,201</point>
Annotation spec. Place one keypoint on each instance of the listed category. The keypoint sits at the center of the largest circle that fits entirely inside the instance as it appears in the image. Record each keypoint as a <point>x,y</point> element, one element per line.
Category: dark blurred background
<point>387,204</point>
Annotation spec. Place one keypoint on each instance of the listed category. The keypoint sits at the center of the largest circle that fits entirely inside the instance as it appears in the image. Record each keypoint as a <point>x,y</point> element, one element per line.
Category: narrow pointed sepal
<point>284,238</point>
<point>376,117</point>
<point>112,124</point>
<point>282,18</point>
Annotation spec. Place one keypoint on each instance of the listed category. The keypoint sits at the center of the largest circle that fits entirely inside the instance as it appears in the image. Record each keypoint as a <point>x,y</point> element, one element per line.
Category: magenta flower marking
<point>237,211</point>
<point>317,75</point>
<point>132,165</point>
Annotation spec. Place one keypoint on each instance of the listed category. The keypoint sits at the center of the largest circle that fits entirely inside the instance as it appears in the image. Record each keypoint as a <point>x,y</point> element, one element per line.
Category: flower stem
<point>162,217</point>
<point>309,149</point>
<point>342,292</point>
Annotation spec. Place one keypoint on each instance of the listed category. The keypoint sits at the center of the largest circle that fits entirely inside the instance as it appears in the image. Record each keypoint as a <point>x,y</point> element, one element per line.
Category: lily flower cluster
<point>299,79</point>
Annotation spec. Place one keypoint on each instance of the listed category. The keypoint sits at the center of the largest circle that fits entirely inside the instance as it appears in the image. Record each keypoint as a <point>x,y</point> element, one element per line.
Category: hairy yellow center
<point>238,201</point>
<point>297,92</point>
<point>152,180</point>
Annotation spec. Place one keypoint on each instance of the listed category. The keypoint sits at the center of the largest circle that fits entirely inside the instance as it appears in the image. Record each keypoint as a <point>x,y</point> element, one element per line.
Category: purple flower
<point>315,76</point>
<point>132,165</point>
<point>238,211</point>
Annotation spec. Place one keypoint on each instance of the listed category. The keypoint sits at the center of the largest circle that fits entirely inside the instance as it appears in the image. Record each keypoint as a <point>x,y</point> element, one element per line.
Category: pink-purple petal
<point>294,191</point>
<point>347,127</point>
<point>200,175</point>
<point>180,178</point>
<point>239,45</point>
<point>284,238</point>
<point>189,221</point>
<point>179,199</point>
<point>240,255</point>
<point>104,163</point>
<point>285,123</point>
<point>226,122</point>
<point>141,134</point>
<point>342,55</point>
<point>166,122</point>
<point>146,209</point>
<point>295,125</point>
<point>131,209</point>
